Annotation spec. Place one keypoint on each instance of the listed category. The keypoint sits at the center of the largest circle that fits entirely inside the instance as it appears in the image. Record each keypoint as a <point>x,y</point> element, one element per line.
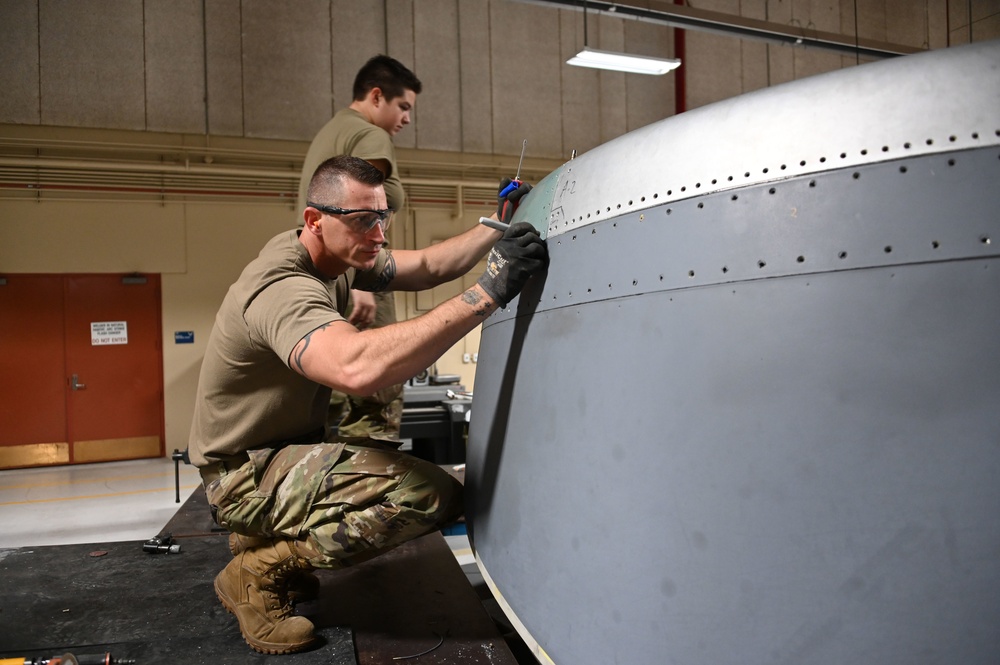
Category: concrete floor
<point>87,503</point>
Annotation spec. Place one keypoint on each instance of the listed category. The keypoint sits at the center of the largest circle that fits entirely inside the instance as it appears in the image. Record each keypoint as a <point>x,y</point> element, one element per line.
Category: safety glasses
<point>362,220</point>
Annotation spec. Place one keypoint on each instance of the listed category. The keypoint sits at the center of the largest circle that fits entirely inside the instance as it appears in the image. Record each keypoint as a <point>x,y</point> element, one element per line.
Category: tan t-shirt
<point>348,133</point>
<point>248,396</point>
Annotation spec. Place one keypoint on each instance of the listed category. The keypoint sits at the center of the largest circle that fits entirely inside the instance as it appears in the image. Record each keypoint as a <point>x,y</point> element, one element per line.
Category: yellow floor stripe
<point>87,481</point>
<point>97,496</point>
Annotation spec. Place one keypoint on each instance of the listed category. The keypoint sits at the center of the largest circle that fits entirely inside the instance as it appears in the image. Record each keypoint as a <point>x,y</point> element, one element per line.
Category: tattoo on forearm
<point>388,273</point>
<point>303,344</point>
<point>471,297</point>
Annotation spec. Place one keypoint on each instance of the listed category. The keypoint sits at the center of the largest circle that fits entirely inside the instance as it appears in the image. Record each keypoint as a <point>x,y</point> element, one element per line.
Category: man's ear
<point>311,219</point>
<point>376,96</point>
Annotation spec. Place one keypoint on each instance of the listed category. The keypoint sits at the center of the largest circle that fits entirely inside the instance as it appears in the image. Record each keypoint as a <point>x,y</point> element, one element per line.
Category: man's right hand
<point>520,253</point>
<point>362,309</point>
<point>507,205</point>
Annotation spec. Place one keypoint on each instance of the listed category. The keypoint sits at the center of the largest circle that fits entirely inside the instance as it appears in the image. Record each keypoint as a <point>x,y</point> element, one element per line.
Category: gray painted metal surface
<point>755,420</point>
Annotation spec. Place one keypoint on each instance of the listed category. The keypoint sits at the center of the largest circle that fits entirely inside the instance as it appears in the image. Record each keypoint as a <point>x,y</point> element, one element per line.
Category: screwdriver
<point>514,184</point>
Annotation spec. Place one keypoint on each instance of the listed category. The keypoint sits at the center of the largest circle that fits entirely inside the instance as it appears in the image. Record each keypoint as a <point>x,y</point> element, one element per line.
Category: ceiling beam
<point>690,18</point>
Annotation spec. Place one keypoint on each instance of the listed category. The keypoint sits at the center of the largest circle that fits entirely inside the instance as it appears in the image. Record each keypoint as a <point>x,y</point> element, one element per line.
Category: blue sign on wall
<point>184,337</point>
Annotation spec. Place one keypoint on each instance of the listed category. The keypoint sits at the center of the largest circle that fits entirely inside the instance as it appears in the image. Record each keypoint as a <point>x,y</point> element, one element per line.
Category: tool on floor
<point>161,543</point>
<point>70,659</point>
<point>514,184</point>
<point>178,457</point>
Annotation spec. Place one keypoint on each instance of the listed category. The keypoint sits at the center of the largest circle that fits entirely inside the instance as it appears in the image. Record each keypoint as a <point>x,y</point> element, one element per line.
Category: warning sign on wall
<point>108,332</point>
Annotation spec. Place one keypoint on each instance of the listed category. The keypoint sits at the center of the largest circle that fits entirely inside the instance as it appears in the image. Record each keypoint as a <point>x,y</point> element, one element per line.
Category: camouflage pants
<point>379,415</point>
<point>347,502</point>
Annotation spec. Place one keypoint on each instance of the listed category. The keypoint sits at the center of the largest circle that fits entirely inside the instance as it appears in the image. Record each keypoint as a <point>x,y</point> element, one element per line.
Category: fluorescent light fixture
<point>622,62</point>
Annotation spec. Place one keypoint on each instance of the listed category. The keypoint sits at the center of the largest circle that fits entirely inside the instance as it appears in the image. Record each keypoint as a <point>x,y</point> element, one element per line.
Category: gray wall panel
<point>983,9</point>
<point>987,28</point>
<point>912,26</point>
<point>753,54</point>
<point>271,67</point>
<point>871,19</point>
<point>824,16</point>
<point>985,21</point>
<point>714,62</point>
<point>19,53</point>
<point>648,98</point>
<point>476,77</point>
<point>286,68</point>
<point>811,63</point>
<point>937,23</point>
<point>526,67</point>
<point>610,35</point>
<point>400,45</point>
<point>357,34</point>
<point>91,67</point>
<point>779,58</point>
<point>436,48</point>
<point>223,21</point>
<point>958,15</point>
<point>175,66</point>
<point>581,115</point>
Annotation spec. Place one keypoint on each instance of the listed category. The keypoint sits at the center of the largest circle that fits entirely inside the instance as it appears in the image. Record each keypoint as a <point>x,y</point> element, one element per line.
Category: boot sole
<point>258,646</point>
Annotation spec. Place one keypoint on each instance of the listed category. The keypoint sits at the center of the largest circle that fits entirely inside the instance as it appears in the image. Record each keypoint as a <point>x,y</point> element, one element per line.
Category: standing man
<point>384,94</point>
<point>293,499</point>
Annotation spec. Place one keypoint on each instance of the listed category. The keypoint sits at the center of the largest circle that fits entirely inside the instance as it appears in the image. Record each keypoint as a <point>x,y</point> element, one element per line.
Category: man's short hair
<point>330,175</point>
<point>387,74</point>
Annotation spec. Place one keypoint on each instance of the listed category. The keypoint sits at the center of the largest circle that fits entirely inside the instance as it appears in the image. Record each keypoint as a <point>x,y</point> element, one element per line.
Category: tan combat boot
<point>303,586</point>
<point>238,542</point>
<point>254,587</point>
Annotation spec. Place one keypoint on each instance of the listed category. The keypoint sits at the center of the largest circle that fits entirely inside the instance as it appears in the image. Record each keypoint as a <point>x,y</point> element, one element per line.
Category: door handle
<point>76,385</point>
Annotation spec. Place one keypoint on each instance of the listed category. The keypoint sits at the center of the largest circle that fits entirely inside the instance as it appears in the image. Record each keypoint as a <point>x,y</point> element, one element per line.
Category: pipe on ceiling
<point>690,18</point>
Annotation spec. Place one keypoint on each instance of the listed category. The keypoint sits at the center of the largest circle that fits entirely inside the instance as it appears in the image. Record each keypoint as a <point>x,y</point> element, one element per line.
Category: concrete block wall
<point>493,70</point>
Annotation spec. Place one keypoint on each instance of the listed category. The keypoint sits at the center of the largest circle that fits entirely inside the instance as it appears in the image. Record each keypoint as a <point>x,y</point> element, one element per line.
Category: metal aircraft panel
<point>933,102</point>
<point>758,421</point>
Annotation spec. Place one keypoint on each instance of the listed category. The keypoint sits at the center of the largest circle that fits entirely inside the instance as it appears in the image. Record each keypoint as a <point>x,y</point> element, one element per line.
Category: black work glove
<point>506,205</point>
<point>520,253</point>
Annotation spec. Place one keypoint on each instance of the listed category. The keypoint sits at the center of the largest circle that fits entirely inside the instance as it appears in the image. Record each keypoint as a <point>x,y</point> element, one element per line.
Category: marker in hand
<point>493,224</point>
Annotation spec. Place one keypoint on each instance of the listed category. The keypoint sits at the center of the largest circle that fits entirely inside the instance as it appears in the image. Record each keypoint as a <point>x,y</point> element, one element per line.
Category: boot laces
<point>276,601</point>
<point>276,590</point>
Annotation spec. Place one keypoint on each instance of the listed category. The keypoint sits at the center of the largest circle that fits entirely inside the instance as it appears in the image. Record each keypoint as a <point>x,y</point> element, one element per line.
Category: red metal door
<point>32,372</point>
<point>107,396</point>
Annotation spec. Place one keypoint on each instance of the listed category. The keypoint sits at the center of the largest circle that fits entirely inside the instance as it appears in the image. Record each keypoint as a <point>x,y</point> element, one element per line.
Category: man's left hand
<point>520,253</point>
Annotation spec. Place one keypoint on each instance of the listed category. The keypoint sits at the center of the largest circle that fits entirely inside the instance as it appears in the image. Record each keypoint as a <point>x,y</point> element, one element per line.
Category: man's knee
<point>433,490</point>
